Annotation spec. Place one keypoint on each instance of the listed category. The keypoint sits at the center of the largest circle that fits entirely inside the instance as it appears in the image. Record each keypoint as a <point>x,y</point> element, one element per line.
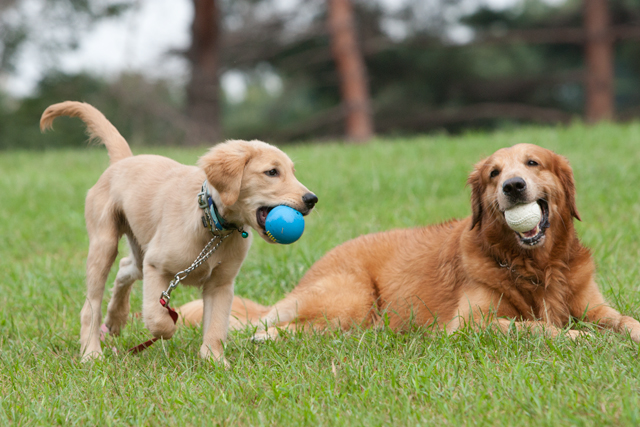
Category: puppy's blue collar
<point>212,218</point>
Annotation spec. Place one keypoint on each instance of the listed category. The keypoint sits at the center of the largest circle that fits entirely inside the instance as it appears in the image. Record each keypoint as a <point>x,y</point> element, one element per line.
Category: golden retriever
<point>153,201</point>
<point>475,271</point>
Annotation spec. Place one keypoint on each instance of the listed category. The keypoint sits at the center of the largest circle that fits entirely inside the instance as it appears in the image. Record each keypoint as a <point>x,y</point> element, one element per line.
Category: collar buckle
<point>212,218</point>
<point>202,197</point>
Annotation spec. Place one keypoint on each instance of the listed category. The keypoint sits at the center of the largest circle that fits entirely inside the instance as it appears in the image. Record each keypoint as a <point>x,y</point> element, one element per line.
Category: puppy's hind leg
<point>103,249</point>
<point>130,270</point>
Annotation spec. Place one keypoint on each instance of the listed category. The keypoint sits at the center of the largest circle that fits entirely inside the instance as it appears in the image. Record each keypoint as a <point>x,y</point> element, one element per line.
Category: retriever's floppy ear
<point>224,166</point>
<point>565,175</point>
<point>477,191</point>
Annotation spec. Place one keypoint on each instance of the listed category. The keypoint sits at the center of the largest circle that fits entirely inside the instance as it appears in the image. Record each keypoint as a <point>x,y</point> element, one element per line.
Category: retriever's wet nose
<point>310,200</point>
<point>514,187</point>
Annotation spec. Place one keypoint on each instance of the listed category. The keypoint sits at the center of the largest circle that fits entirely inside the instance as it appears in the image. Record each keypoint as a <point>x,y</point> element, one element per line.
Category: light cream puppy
<point>153,201</point>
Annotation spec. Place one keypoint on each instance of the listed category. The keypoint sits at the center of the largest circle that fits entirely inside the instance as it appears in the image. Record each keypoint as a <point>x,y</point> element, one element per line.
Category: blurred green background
<point>431,66</point>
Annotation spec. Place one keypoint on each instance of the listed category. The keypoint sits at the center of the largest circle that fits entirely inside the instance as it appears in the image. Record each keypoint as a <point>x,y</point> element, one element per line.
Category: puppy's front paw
<point>160,325</point>
<point>207,353</point>
<point>90,356</point>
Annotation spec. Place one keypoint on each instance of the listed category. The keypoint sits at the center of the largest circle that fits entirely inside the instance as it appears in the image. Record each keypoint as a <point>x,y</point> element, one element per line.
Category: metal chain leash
<point>208,250</point>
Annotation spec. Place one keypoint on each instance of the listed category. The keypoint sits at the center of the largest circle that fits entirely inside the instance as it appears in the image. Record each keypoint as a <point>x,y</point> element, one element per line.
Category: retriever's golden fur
<point>153,201</point>
<point>473,271</point>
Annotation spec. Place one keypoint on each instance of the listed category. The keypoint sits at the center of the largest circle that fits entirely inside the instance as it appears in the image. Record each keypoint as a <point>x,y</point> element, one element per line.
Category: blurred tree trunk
<point>351,71</point>
<point>203,103</point>
<point>599,60</point>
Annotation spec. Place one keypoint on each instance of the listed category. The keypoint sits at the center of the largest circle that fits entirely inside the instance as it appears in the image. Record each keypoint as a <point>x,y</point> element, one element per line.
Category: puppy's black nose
<point>310,200</point>
<point>514,186</point>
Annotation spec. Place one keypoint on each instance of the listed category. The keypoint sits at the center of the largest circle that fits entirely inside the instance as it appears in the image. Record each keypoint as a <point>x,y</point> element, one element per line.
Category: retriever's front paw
<point>573,334</point>
<point>262,336</point>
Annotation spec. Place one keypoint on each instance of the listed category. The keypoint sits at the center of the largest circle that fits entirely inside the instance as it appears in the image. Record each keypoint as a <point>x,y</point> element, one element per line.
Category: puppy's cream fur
<point>153,201</point>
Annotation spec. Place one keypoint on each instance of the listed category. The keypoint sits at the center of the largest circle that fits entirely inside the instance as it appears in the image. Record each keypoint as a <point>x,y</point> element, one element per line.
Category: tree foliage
<point>425,79</point>
<point>49,26</point>
<point>143,112</point>
<point>422,75</point>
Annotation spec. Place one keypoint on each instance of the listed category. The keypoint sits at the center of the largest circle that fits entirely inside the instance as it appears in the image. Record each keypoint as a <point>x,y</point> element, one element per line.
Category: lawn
<point>364,377</point>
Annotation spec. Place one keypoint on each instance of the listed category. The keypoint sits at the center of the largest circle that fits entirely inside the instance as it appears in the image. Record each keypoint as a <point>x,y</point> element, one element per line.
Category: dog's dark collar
<point>212,218</point>
<point>512,270</point>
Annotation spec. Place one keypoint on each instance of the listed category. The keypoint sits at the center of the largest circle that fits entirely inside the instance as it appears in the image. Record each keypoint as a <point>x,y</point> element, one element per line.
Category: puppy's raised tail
<point>98,127</point>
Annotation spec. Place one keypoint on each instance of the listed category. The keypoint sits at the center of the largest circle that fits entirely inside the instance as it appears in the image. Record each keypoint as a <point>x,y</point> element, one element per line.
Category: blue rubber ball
<point>284,225</point>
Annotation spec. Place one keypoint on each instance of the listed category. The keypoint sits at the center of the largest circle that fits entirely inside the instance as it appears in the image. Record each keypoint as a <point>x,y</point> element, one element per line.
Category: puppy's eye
<point>532,163</point>
<point>494,173</point>
<point>272,172</point>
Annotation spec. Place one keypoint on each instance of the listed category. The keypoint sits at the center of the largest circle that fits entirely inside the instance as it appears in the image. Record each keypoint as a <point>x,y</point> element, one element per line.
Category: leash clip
<point>165,297</point>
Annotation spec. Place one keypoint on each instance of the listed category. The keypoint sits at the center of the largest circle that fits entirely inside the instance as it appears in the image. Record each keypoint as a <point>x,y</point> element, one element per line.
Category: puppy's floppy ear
<point>477,191</point>
<point>565,175</point>
<point>224,166</point>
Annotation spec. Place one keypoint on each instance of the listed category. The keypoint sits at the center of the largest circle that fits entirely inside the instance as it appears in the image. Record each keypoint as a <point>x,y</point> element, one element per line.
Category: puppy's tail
<point>98,127</point>
<point>243,312</point>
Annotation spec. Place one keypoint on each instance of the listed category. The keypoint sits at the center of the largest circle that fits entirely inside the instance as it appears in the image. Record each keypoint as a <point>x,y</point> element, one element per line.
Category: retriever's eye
<point>272,172</point>
<point>532,163</point>
<point>494,173</point>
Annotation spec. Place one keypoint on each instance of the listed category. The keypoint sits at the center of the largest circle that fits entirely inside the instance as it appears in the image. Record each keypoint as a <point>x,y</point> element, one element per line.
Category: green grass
<point>359,378</point>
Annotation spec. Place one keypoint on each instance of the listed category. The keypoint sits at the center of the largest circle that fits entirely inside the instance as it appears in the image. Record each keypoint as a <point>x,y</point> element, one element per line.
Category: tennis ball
<point>523,218</point>
<point>284,225</point>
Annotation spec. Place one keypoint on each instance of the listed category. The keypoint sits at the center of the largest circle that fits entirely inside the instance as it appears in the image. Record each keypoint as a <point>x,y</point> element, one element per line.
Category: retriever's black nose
<point>310,200</point>
<point>514,186</point>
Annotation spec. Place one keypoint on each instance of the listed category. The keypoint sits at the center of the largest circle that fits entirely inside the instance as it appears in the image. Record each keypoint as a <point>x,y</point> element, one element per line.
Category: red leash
<point>104,330</point>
